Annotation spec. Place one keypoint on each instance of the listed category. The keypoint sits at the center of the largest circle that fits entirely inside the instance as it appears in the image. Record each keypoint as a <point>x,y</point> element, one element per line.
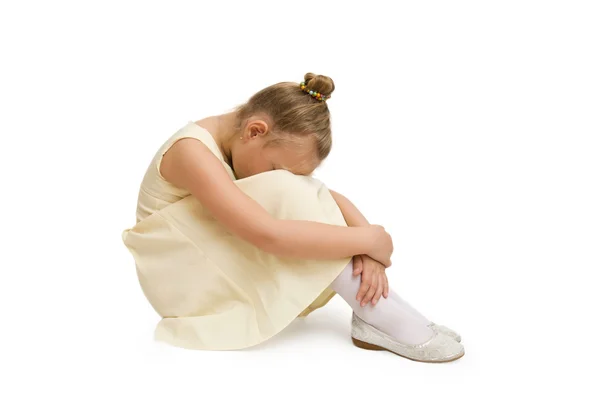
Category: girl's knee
<point>285,194</point>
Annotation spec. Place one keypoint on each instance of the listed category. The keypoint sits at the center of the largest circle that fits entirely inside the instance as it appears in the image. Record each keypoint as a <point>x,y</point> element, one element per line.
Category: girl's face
<point>250,155</point>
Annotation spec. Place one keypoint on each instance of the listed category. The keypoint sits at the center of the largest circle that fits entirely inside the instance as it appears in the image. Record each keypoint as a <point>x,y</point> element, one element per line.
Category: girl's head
<point>283,127</point>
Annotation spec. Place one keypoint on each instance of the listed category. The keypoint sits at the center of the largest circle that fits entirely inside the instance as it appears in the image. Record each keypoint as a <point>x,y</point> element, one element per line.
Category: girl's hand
<point>382,246</point>
<point>374,282</point>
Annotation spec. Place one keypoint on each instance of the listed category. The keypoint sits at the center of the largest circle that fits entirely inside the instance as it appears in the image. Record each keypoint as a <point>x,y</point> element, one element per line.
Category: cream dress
<point>216,291</point>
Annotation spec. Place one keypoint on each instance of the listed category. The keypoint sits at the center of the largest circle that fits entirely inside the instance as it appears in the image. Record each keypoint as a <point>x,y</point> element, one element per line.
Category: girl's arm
<point>353,217</point>
<point>374,281</point>
<point>191,165</point>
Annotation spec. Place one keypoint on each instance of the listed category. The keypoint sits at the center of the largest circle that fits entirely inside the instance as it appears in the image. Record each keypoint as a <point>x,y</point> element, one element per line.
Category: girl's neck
<point>225,133</point>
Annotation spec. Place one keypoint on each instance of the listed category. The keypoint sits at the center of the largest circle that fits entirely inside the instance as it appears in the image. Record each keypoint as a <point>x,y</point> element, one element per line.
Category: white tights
<point>392,315</point>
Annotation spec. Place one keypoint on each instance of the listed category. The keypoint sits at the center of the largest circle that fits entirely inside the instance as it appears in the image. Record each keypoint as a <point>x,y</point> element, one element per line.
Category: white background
<point>469,129</point>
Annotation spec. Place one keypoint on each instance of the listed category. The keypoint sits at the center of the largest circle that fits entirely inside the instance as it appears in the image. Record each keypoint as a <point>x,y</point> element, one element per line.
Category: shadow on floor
<point>319,324</point>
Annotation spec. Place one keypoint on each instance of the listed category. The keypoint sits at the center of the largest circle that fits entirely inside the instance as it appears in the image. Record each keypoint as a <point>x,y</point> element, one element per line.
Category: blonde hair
<point>294,113</point>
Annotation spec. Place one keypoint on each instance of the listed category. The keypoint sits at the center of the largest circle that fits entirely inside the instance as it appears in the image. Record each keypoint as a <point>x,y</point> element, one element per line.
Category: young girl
<point>234,238</point>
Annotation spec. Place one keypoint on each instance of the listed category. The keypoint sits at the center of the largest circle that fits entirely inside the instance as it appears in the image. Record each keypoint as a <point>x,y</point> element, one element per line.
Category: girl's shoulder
<point>208,123</point>
<point>201,130</point>
<point>157,192</point>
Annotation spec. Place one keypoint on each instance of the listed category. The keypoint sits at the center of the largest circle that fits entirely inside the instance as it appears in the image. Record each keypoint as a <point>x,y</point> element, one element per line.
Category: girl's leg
<point>392,315</point>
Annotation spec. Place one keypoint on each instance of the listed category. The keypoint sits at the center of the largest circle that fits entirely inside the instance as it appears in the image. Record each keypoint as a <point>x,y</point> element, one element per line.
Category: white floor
<point>108,351</point>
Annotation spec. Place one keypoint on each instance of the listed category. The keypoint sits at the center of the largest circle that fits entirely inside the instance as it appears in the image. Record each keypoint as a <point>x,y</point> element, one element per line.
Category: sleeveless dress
<point>213,290</point>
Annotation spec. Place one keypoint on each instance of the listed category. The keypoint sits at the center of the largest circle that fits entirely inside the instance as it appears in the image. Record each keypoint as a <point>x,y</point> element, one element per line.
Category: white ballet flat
<point>444,330</point>
<point>439,348</point>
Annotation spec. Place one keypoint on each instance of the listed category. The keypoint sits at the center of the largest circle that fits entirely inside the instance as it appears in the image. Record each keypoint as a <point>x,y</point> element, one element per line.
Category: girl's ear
<point>257,128</point>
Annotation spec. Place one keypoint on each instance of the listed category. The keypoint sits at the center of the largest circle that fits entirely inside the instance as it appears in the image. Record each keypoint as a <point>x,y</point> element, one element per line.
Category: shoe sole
<point>373,347</point>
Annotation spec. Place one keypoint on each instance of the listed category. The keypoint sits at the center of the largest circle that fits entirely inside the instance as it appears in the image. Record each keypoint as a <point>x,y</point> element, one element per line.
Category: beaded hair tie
<point>314,94</point>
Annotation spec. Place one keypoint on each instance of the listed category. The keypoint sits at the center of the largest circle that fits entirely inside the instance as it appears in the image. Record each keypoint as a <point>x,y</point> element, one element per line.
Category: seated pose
<point>235,239</point>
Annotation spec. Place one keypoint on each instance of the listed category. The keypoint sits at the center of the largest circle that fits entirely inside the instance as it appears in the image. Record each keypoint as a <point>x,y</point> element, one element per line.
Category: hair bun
<point>319,83</point>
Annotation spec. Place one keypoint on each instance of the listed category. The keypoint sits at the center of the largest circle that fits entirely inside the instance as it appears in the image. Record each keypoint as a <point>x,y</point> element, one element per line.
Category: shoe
<point>439,348</point>
<point>444,330</point>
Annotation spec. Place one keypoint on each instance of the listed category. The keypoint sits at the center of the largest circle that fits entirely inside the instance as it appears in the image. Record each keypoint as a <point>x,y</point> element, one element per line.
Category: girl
<point>234,238</point>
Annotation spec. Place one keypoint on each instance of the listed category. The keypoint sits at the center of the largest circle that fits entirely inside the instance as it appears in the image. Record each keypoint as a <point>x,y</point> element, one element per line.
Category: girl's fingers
<point>371,292</point>
<point>386,287</point>
<point>378,292</point>
<point>364,287</point>
<point>357,264</point>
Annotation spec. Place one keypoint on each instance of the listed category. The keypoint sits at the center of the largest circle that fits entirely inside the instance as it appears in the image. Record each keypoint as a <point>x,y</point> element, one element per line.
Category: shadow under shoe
<point>439,348</point>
